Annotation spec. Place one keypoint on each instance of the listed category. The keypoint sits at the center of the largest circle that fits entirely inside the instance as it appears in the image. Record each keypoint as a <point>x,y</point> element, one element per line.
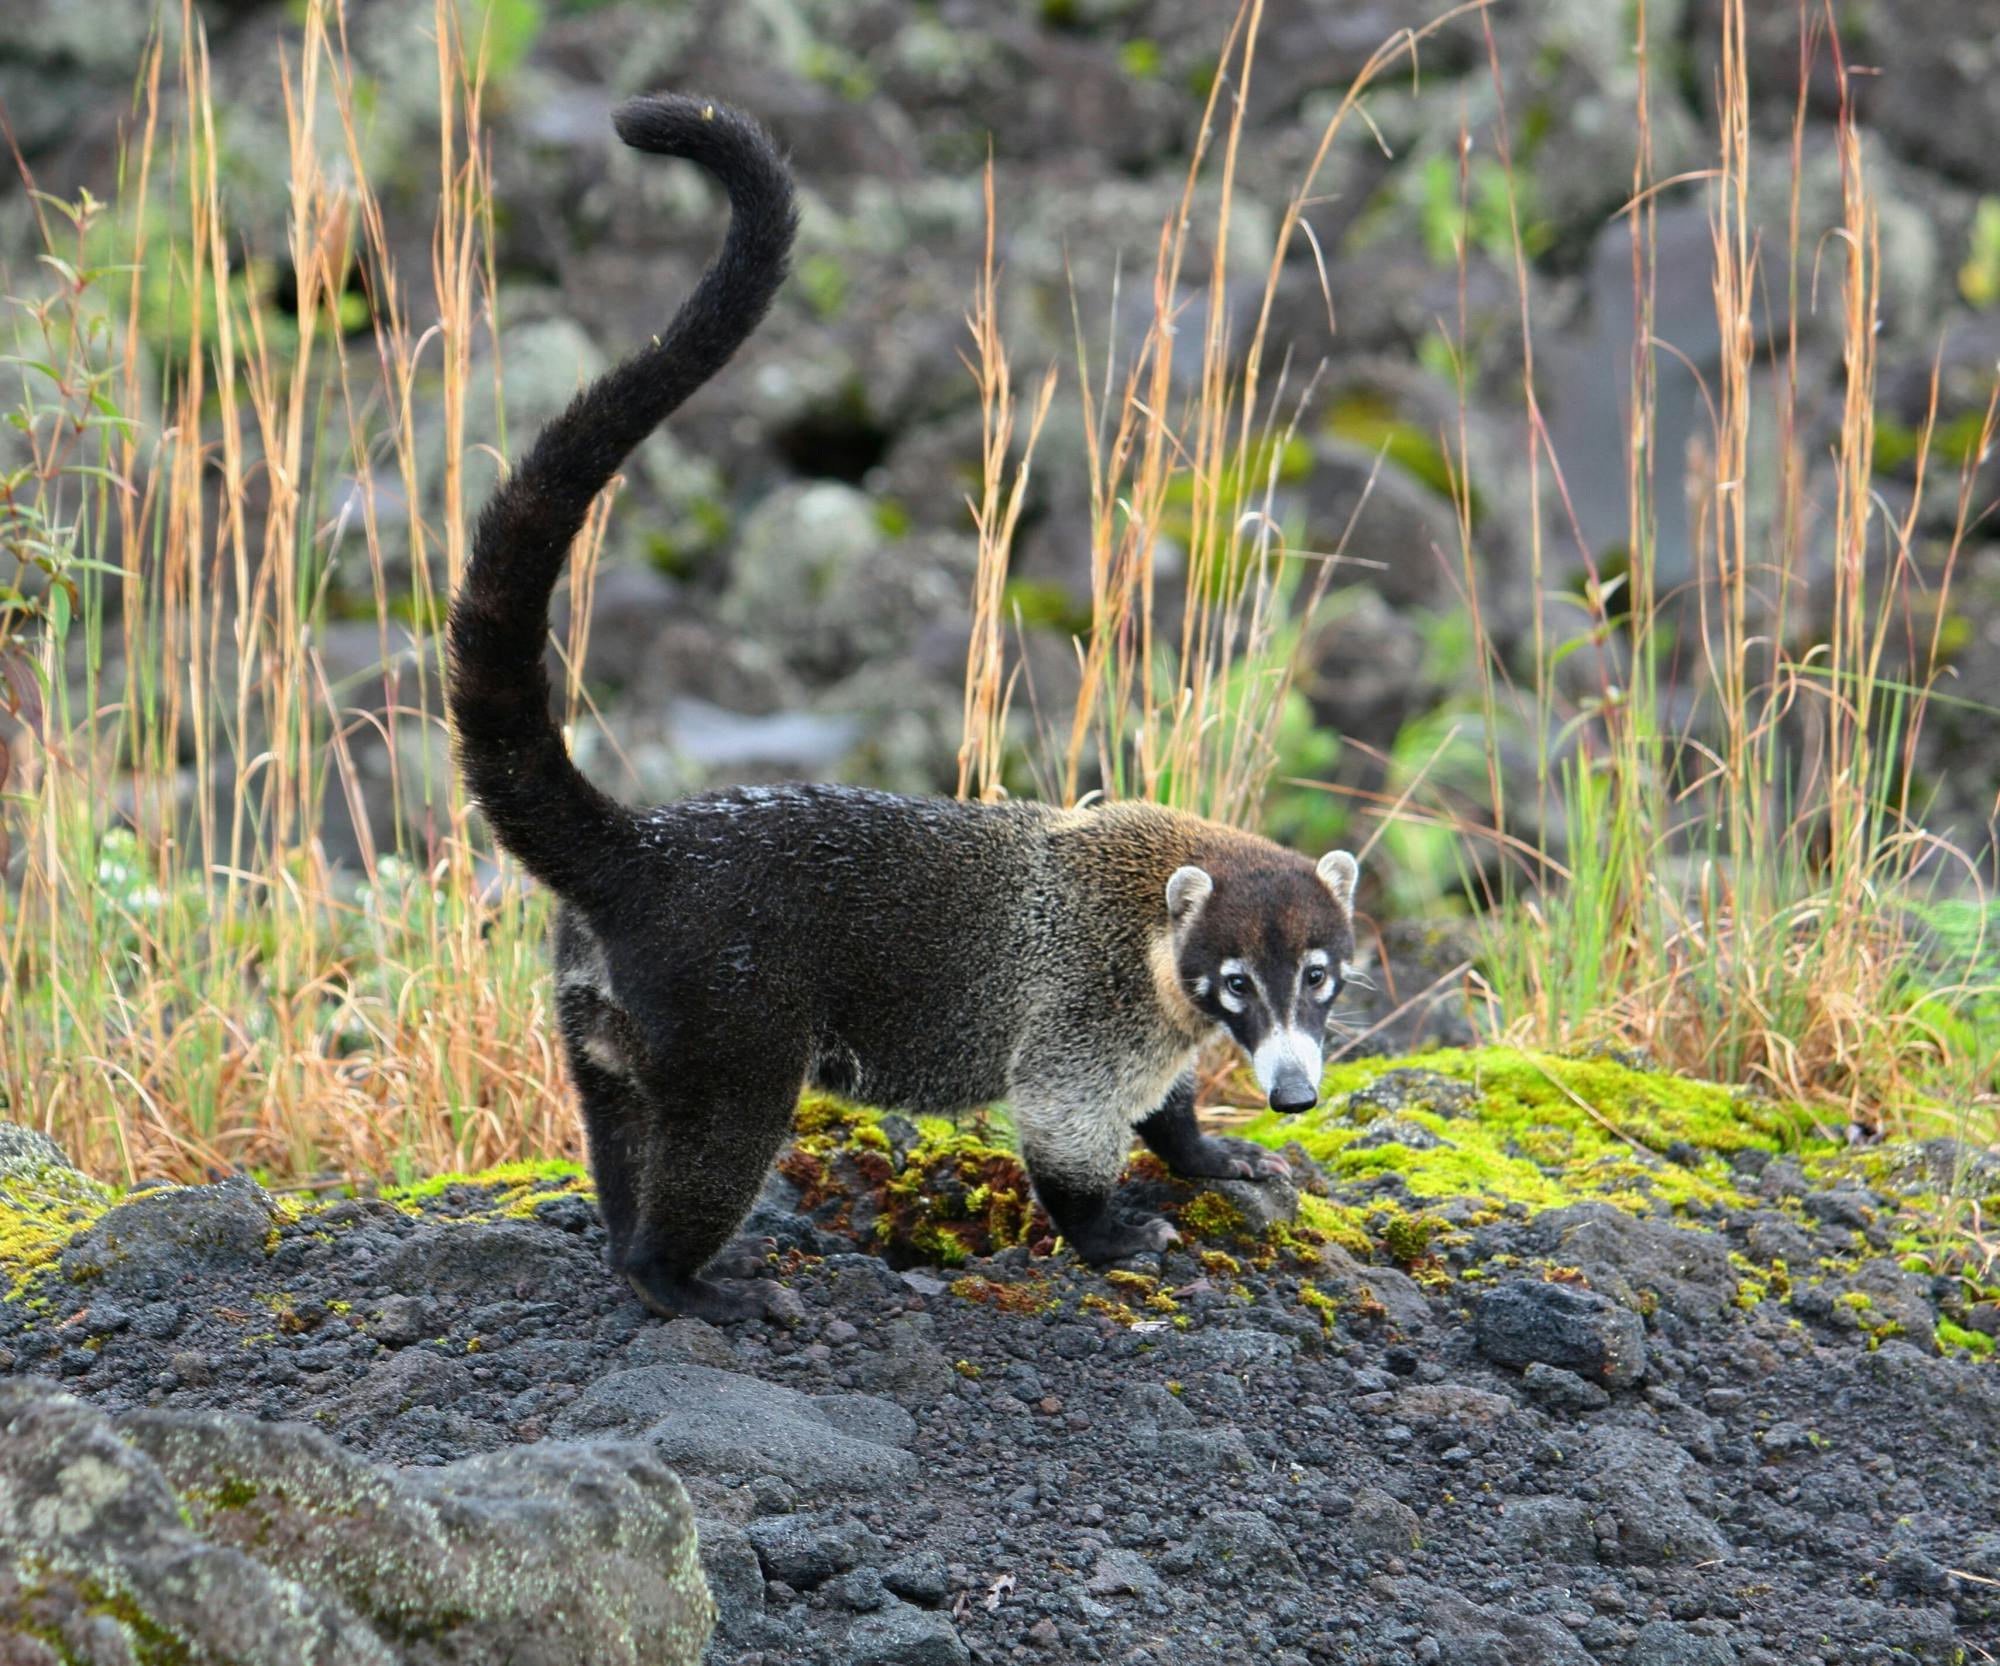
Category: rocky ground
<point>1671,1384</point>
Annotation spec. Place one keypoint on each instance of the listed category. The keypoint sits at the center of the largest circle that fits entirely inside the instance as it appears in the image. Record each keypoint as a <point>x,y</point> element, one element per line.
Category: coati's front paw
<point>1224,1158</point>
<point>719,1301</point>
<point>1112,1239</point>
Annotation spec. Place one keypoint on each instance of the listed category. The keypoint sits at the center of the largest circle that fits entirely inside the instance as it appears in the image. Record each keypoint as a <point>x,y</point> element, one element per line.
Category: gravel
<point>1025,1459</point>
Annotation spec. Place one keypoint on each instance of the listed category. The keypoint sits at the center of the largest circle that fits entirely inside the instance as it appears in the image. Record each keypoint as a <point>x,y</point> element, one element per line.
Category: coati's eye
<point>1315,976</point>
<point>1237,984</point>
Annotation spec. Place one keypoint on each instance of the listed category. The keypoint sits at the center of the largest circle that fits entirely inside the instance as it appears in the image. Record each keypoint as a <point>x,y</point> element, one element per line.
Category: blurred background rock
<point>786,581</point>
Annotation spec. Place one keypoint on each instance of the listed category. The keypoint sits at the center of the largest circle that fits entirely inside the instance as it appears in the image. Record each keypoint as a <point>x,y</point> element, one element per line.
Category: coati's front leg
<point>1074,1156</point>
<point>1173,1132</point>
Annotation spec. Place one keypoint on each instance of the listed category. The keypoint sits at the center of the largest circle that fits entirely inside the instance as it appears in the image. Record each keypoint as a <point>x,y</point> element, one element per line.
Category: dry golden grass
<point>191,987</point>
<point>194,989</point>
<point>1178,698</point>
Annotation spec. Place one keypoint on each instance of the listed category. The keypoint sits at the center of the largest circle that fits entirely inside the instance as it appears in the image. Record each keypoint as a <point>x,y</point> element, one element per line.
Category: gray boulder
<point>487,1258</point>
<point>214,1537</point>
<point>173,1233</point>
<point>718,1422</point>
<point>1626,1257</point>
<point>1658,1497</point>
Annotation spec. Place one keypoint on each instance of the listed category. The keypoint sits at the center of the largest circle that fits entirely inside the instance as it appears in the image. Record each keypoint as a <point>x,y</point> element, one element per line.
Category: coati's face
<point>1263,951</point>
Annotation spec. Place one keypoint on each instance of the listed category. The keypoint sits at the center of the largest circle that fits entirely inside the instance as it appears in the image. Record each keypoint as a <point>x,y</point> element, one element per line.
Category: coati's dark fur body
<point>715,954</point>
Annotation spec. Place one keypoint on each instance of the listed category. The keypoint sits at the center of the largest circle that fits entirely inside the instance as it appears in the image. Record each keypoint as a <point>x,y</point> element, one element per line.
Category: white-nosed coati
<point>716,954</point>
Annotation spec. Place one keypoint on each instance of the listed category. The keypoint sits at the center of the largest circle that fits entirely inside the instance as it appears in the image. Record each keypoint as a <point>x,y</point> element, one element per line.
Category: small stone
<point>919,1577</point>
<point>1564,1390</point>
<point>1786,1436</point>
<point>899,1635</point>
<point>1526,1321</point>
<point>1382,1524</point>
<point>773,1495</point>
<point>805,1551</point>
<point>783,1305</point>
<point>193,1369</point>
<point>860,1590</point>
<point>1234,1547</point>
<point>1043,1635</point>
<point>1663,1643</point>
<point>1122,1573</point>
<point>402,1320</point>
<point>1852,1209</point>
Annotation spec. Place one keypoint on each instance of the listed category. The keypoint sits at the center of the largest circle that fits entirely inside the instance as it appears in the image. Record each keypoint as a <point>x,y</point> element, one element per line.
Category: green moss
<point>1325,1306</point>
<point>1140,59</point>
<point>1369,420</point>
<point>1407,1238</point>
<point>41,1209</point>
<point>1338,1223</point>
<point>1976,1343</point>
<point>823,281</point>
<point>1542,1131</point>
<point>1213,1216</point>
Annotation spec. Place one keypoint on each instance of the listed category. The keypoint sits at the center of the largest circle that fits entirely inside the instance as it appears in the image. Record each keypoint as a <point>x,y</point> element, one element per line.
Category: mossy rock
<point>1513,1127</point>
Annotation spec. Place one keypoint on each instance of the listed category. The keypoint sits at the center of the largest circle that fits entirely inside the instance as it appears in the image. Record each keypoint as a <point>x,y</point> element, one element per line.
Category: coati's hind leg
<point>613,1111</point>
<point>1173,1132</point>
<point>709,1140</point>
<point>1074,1156</point>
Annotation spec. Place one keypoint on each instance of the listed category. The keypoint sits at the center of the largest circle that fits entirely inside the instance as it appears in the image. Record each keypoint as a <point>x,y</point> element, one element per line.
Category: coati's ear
<point>1187,890</point>
<point>1339,871</point>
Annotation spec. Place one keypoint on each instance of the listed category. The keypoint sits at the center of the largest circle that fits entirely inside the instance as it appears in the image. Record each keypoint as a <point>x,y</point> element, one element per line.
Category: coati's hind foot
<point>1116,1239</point>
<point>1096,1231</point>
<point>718,1301</point>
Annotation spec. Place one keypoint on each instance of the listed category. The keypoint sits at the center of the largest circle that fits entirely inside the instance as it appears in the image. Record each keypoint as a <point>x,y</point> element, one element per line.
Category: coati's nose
<point>1293,1092</point>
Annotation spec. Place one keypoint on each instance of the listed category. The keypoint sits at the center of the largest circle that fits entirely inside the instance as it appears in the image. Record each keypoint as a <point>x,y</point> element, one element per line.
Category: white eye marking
<point>1286,1047</point>
<point>1238,983</point>
<point>1202,984</point>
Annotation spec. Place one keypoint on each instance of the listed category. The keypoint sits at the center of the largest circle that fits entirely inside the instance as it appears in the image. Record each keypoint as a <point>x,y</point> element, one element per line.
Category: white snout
<point>1286,1047</point>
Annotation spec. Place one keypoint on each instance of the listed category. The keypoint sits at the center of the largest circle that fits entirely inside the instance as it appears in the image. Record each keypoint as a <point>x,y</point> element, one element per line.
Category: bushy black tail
<point>560,827</point>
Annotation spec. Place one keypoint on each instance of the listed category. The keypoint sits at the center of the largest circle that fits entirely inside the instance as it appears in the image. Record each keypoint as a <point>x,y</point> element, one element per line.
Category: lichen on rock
<point>213,1537</point>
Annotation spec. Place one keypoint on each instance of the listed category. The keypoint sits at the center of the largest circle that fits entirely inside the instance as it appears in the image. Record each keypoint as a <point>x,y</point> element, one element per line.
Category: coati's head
<point>1262,948</point>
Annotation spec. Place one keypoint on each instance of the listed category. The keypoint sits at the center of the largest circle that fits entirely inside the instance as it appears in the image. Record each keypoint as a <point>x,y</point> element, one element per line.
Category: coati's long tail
<point>560,827</point>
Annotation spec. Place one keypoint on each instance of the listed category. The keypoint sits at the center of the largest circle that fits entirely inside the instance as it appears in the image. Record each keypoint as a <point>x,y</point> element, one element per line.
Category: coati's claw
<point>1232,1159</point>
<point>744,1257</point>
<point>719,1301</point>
